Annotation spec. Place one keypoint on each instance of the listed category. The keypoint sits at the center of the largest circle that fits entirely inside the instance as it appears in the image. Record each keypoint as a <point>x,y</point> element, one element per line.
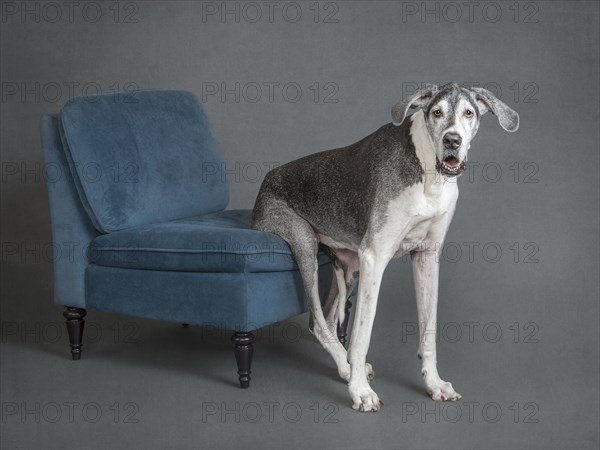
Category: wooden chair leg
<point>342,330</point>
<point>75,323</point>
<point>244,346</point>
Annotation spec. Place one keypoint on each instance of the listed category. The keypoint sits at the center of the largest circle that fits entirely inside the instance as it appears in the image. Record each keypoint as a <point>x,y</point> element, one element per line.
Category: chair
<point>138,189</point>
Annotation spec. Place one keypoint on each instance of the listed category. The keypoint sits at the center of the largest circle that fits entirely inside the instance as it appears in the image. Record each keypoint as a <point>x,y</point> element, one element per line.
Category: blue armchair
<point>137,187</point>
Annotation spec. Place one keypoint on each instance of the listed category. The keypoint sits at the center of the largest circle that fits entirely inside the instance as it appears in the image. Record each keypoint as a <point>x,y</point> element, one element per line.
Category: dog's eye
<point>437,113</point>
<point>469,113</point>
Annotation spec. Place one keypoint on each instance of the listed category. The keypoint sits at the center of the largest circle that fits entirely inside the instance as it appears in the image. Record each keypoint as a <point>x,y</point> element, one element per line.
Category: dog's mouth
<point>450,166</point>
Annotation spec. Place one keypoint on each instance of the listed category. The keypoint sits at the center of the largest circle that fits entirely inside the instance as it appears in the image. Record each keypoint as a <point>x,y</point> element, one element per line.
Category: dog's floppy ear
<point>417,100</point>
<point>486,101</point>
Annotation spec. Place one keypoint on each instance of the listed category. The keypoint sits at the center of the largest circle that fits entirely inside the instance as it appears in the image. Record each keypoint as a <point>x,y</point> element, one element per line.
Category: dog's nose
<point>451,141</point>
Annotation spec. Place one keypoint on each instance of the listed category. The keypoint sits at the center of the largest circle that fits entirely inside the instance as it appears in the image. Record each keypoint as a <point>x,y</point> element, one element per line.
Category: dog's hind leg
<point>350,280</point>
<point>334,311</point>
<point>275,216</point>
<point>333,298</point>
<point>345,266</point>
<point>337,296</point>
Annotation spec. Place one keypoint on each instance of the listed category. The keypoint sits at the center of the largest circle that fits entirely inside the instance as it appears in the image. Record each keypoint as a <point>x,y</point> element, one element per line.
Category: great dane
<point>393,192</point>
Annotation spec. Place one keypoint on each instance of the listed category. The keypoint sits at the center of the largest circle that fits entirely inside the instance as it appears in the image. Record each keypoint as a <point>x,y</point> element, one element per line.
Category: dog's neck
<point>433,181</point>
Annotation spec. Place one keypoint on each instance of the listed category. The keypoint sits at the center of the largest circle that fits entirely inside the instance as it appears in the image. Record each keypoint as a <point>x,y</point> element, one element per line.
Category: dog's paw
<point>442,391</point>
<point>364,399</point>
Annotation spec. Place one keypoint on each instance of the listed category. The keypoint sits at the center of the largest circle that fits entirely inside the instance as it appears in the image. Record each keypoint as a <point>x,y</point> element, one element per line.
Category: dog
<point>392,193</point>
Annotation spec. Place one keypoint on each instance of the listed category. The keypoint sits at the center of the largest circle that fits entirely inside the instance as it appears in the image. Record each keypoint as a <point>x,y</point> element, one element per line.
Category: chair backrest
<point>142,159</point>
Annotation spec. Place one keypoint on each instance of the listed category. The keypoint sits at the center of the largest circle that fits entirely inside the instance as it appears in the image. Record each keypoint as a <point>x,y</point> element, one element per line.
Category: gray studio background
<point>519,280</point>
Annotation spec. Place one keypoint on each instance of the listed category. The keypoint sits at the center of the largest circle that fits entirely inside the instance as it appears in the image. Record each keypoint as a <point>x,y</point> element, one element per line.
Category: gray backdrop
<point>519,284</point>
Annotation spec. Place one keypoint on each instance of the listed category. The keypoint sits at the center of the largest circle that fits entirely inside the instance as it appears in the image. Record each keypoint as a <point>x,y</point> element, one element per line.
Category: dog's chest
<point>415,217</point>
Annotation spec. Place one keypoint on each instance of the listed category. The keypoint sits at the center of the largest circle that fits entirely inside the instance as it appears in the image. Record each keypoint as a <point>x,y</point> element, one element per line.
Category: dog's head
<point>452,115</point>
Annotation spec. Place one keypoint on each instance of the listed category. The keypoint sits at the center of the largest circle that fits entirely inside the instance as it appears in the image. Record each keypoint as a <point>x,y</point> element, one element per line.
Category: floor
<point>150,384</point>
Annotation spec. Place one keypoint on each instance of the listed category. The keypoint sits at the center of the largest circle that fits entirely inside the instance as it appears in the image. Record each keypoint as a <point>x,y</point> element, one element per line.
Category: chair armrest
<point>72,230</point>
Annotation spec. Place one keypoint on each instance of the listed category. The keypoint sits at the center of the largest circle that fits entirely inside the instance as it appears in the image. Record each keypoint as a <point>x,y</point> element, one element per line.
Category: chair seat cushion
<point>216,242</point>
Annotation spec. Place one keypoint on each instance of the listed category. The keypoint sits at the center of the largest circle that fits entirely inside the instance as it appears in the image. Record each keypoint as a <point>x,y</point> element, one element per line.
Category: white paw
<point>365,399</point>
<point>442,391</point>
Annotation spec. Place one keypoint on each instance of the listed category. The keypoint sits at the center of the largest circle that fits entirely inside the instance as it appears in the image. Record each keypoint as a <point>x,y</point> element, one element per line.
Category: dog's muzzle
<point>450,166</point>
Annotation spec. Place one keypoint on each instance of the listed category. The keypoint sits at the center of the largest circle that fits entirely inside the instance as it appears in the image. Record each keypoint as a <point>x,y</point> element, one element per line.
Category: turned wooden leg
<point>75,325</point>
<point>244,346</point>
<point>342,330</point>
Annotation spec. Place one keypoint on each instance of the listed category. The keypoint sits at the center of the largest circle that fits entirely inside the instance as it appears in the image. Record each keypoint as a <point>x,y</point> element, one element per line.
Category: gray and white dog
<point>389,194</point>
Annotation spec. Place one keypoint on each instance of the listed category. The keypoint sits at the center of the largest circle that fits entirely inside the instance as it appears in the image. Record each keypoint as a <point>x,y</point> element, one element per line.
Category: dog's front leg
<point>372,266</point>
<point>426,276</point>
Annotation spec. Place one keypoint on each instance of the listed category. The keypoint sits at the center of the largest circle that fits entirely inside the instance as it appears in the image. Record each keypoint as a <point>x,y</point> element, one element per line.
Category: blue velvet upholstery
<point>150,159</point>
<point>156,242</point>
<point>216,242</point>
<point>72,230</point>
<point>230,301</point>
